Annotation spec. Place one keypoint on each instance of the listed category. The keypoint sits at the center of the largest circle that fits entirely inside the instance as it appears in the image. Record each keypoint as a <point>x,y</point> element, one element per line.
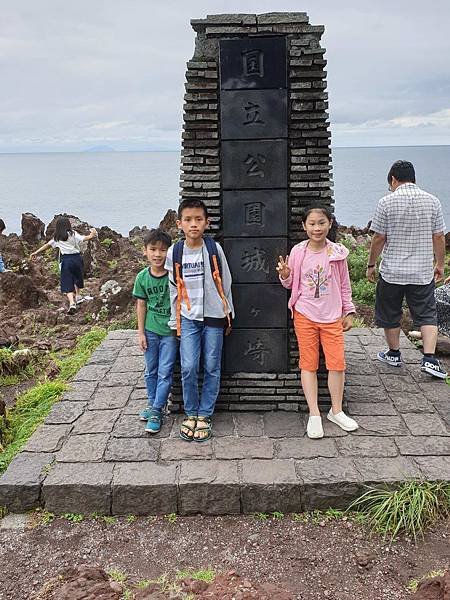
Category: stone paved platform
<point>92,453</point>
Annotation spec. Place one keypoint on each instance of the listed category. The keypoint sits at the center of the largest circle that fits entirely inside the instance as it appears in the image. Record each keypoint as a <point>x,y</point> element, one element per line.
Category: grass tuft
<point>410,509</point>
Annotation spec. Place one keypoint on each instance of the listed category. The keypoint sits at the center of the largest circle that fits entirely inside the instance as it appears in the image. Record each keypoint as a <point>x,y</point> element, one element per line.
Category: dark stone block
<point>254,260</point>
<point>253,304</point>
<point>249,213</point>
<point>144,491</point>
<point>65,412</point>
<point>281,425</point>
<point>48,438</point>
<point>209,487</point>
<point>256,350</point>
<point>253,63</point>
<point>250,425</point>
<point>21,483</point>
<point>254,164</point>
<point>253,114</point>
<point>79,488</point>
<point>110,397</point>
<point>434,468</point>
<point>83,448</point>
<point>366,446</point>
<point>270,485</point>
<point>386,470</point>
<point>424,446</point>
<point>230,448</point>
<point>306,448</point>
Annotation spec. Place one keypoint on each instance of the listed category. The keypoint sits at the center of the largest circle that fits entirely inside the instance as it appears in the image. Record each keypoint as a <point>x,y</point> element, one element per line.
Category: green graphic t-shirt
<point>155,291</point>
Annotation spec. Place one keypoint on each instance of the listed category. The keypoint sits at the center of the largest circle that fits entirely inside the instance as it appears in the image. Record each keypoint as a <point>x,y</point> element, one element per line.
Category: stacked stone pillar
<point>256,150</point>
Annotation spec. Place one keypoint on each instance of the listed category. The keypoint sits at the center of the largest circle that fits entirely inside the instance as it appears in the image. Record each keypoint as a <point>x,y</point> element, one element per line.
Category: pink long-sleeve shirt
<point>338,301</point>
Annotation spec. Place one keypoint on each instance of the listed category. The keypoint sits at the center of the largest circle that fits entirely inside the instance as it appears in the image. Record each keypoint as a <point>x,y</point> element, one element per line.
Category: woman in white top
<point>71,260</point>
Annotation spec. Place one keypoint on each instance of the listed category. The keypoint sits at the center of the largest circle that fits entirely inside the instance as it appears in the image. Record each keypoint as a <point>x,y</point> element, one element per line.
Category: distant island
<point>100,149</point>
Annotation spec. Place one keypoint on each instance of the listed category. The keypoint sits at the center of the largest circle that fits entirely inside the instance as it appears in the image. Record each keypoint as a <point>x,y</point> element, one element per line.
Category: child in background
<point>321,303</point>
<point>201,311</point>
<point>160,347</point>
<point>2,229</point>
<point>71,260</point>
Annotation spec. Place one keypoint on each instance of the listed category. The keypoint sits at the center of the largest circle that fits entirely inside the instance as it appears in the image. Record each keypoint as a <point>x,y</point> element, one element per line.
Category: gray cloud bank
<point>82,74</point>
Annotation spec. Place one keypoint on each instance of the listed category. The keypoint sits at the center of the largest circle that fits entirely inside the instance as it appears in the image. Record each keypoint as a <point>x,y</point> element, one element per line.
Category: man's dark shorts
<point>419,298</point>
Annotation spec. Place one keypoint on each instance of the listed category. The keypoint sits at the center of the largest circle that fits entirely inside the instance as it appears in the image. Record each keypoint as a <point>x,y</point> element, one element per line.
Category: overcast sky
<point>76,74</point>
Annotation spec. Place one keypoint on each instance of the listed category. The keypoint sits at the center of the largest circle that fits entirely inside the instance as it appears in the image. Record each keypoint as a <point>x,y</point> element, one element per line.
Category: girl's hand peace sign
<point>283,268</point>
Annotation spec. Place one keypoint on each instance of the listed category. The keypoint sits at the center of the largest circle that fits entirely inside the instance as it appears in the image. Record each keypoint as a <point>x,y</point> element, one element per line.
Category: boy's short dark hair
<point>2,225</point>
<point>157,235</point>
<point>191,203</point>
<point>403,171</point>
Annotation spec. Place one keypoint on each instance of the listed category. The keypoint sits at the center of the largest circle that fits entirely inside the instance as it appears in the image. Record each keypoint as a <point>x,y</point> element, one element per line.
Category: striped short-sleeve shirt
<point>408,218</point>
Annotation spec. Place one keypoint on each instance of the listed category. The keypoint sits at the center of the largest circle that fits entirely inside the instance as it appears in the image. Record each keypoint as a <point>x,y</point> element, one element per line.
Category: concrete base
<point>92,454</point>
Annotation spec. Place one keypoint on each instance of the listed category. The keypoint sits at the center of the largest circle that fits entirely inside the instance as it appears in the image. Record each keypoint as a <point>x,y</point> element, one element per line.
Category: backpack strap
<point>216,270</point>
<point>177,258</point>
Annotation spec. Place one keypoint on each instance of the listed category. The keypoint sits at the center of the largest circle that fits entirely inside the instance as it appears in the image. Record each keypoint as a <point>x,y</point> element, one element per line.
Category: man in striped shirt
<point>409,230</point>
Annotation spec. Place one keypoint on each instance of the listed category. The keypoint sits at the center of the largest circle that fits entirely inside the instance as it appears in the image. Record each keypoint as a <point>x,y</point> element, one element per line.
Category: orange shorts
<point>310,335</point>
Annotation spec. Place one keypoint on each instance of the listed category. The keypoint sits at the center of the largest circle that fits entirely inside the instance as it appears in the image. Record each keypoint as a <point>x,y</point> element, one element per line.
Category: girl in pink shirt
<point>321,305</point>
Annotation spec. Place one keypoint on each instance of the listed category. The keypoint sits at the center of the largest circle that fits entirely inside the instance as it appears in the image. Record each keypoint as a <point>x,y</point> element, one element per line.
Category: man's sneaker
<point>72,309</point>
<point>433,367</point>
<point>341,419</point>
<point>79,299</point>
<point>388,357</point>
<point>314,429</point>
<point>154,421</point>
<point>145,414</point>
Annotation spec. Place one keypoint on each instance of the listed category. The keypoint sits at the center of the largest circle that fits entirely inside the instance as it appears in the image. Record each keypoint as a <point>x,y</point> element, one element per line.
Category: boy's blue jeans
<point>200,339</point>
<point>160,358</point>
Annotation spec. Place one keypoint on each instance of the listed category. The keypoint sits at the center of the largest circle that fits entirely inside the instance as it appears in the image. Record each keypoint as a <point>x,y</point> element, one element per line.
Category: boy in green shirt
<point>160,347</point>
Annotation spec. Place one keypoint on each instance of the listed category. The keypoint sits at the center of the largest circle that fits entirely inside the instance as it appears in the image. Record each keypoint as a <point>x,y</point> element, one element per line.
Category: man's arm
<point>439,255</point>
<point>376,247</point>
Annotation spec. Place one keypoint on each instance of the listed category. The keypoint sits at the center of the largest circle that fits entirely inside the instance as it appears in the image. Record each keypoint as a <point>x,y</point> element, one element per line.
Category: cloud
<point>117,68</point>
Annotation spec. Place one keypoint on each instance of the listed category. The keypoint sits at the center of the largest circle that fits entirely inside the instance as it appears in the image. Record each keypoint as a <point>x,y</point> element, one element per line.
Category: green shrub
<point>107,242</point>
<point>410,508</point>
<point>363,292</point>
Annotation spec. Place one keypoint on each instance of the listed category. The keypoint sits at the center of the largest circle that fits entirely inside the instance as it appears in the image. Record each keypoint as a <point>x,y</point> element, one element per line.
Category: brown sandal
<point>205,429</point>
<point>186,424</point>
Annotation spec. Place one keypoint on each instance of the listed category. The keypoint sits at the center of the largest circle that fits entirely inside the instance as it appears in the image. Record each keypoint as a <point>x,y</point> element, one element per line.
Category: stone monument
<point>256,150</point>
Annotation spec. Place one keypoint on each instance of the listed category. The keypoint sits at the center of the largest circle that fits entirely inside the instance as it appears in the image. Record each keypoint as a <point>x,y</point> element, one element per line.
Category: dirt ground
<point>337,560</point>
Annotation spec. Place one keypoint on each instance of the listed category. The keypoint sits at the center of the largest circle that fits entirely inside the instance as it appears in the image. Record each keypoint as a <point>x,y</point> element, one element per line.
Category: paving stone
<point>443,409</point>
<point>114,379</point>
<point>389,426</point>
<point>386,369</point>
<point>92,373</point>
<point>209,487</point>
<point>65,412</point>
<point>144,491</point>
<point>139,394</point>
<point>96,421</point>
<point>359,367</point>
<point>47,438</point>
<point>425,424</point>
<point>103,357</point>
<point>229,448</point>
<point>393,383</point>
<point>424,446</point>
<point>367,446</point>
<point>411,403</point>
<point>411,356</point>
<point>134,407</point>
<point>20,485</point>
<point>371,409</point>
<point>249,424</point>
<point>332,430</point>
<point>328,482</point>
<point>357,394</point>
<point>80,391</point>
<point>363,380</point>
<point>386,470</point>
<point>130,426</point>
<point>111,397</point>
<point>112,345</point>
<point>270,485</point>
<point>435,390</point>
<point>131,450</point>
<point>277,424</point>
<point>121,334</point>
<point>131,351</point>
<point>83,448</point>
<point>305,448</point>
<point>173,449</point>
<point>14,521</point>
<point>125,364</point>
<point>223,424</point>
<point>78,488</point>
<point>434,468</point>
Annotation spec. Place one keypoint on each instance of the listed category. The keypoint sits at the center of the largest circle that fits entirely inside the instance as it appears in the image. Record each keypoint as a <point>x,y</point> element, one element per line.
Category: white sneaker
<point>314,429</point>
<point>344,422</point>
<point>79,299</point>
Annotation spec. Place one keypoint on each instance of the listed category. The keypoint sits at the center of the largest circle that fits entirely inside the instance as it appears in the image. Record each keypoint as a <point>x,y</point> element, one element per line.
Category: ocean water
<point>124,189</point>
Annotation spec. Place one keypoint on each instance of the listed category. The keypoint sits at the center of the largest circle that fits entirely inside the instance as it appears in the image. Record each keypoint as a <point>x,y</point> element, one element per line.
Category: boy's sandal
<point>204,432</point>
<point>186,424</point>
